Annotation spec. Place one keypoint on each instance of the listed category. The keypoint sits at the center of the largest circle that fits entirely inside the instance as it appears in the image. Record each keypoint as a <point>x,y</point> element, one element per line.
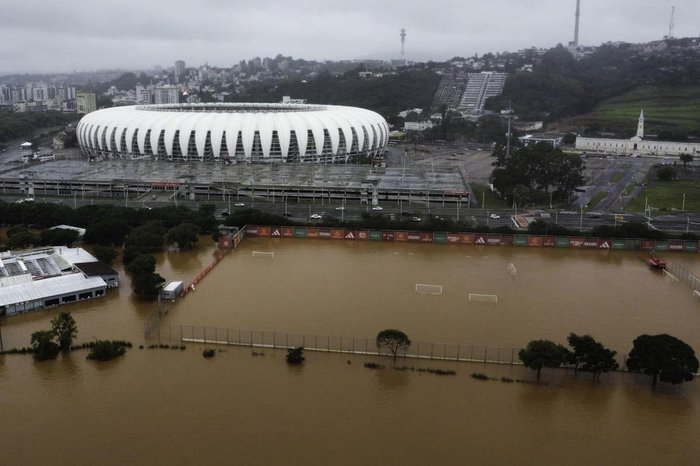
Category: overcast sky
<point>66,35</point>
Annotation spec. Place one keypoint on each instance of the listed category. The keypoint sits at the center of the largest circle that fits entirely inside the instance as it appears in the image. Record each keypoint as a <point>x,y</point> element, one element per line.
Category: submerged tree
<point>295,356</point>
<point>590,355</point>
<point>664,357</point>
<point>65,329</point>
<point>543,353</point>
<point>44,345</point>
<point>394,340</point>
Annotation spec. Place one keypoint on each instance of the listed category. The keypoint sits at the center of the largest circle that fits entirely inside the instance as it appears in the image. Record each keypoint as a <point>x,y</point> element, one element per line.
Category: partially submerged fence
<point>329,344</point>
<point>684,275</point>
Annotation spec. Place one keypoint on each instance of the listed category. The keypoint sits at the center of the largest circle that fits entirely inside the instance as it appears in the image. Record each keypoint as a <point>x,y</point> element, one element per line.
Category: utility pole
<point>578,14</point>
<point>671,23</point>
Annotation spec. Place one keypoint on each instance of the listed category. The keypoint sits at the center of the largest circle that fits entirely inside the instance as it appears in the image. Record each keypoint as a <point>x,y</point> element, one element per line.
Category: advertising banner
<point>563,241</point>
<point>549,242</point>
<point>521,240</point>
<point>375,235</point>
<point>634,244</point>
<point>493,240</point>
<point>648,244</point>
<point>387,236</point>
<point>619,243</point>
<point>351,235</point>
<point>337,233</point>
<point>263,231</point>
<point>662,245</point>
<point>576,242</point>
<point>690,246</point>
<point>414,235</point>
<point>590,243</point>
<point>604,243</point>
<point>466,238</point>
<point>287,232</point>
<point>480,239</point>
<point>426,237</point>
<point>507,240</point>
<point>401,236</point>
<point>453,238</point>
<point>300,232</point>
<point>363,235</point>
<point>534,241</point>
<point>324,233</point>
<point>440,237</point>
<point>251,230</point>
<point>276,232</point>
<point>312,233</point>
<point>675,245</point>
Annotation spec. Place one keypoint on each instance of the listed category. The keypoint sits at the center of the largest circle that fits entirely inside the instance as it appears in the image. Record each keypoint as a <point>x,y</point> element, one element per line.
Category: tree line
<point>23,124</point>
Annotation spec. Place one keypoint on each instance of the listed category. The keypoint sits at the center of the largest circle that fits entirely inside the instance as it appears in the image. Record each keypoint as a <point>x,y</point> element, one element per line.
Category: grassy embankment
<point>665,107</point>
<point>668,196</point>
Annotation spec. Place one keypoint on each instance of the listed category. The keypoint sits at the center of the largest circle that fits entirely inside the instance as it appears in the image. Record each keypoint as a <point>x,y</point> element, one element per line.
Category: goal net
<point>483,298</point>
<point>422,288</point>
<point>263,255</point>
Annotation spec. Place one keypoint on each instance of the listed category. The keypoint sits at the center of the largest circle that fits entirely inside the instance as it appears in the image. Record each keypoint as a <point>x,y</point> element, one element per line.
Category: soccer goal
<point>422,288</point>
<point>483,298</point>
<point>262,255</point>
<point>511,269</point>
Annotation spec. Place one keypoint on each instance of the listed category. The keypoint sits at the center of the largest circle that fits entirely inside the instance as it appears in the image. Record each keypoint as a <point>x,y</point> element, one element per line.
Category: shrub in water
<point>208,353</point>
<point>104,350</point>
<point>295,356</point>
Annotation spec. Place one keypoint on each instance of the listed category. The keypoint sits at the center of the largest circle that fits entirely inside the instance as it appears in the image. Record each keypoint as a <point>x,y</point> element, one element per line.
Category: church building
<point>637,145</point>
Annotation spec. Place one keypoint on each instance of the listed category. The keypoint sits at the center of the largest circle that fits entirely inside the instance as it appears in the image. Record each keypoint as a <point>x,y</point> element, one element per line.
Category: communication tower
<point>578,14</point>
<point>403,41</point>
<point>671,23</point>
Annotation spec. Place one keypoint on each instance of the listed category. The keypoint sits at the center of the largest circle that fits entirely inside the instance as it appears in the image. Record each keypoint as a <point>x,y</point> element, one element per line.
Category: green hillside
<point>664,107</point>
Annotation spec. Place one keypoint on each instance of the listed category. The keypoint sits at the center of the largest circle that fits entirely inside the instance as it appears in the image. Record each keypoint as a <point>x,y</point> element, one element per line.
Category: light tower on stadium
<point>403,41</point>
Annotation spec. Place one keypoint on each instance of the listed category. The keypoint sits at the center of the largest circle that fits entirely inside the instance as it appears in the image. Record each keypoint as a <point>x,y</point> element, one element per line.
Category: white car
<point>316,216</point>
<point>495,216</point>
<point>340,208</point>
<point>377,207</point>
<point>239,204</point>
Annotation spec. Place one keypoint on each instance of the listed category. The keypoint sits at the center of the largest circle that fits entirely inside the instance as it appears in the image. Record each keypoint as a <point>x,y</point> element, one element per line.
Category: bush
<point>105,350</point>
<point>208,353</point>
<point>295,356</point>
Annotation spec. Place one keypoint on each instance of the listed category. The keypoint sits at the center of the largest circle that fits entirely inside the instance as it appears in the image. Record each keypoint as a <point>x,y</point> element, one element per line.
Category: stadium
<point>234,132</point>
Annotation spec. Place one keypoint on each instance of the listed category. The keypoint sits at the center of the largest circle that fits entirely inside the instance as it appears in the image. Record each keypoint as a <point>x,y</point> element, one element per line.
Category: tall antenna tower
<point>671,23</point>
<point>578,14</point>
<point>403,41</point>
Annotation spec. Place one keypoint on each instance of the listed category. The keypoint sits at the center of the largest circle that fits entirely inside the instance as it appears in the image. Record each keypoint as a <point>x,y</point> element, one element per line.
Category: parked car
<point>495,216</point>
<point>340,208</point>
<point>316,216</point>
<point>239,204</point>
<point>377,207</point>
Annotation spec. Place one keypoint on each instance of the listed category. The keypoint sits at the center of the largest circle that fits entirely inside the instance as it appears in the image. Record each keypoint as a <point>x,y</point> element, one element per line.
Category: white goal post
<point>262,255</point>
<point>483,298</point>
<point>423,288</point>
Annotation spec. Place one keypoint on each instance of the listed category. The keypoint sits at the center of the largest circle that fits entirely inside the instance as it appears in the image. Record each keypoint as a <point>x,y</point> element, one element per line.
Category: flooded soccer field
<point>174,407</point>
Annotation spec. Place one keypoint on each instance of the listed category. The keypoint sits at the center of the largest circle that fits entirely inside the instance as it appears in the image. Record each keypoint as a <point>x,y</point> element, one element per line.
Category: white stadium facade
<point>234,132</point>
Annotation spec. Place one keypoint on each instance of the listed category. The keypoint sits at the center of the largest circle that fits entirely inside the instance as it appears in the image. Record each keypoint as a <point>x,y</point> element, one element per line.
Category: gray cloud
<point>68,35</point>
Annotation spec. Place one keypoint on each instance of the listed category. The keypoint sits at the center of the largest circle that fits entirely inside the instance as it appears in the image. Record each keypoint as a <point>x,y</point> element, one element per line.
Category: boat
<point>657,263</point>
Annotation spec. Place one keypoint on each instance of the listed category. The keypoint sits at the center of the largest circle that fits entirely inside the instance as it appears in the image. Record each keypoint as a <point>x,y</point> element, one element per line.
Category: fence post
<point>458,352</point>
<point>499,354</point>
<point>485,353</point>
<point>512,356</point>
<point>286,340</point>
<point>274,342</point>
<point>444,351</point>
<point>251,338</point>
<point>431,351</point>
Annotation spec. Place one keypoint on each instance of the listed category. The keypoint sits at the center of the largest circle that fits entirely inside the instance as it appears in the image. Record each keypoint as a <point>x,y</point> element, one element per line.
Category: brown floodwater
<point>174,407</point>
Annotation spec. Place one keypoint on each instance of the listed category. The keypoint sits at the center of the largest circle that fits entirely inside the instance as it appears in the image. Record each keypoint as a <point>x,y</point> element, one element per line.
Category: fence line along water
<point>684,275</point>
<point>329,344</point>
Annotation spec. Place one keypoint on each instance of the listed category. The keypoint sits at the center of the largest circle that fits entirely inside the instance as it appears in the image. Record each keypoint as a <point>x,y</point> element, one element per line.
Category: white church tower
<point>640,128</point>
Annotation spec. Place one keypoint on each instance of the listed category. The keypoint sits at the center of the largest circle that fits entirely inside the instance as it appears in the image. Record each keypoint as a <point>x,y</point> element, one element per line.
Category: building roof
<point>42,289</point>
<point>95,269</point>
<point>275,126</point>
<point>80,231</point>
<point>74,255</point>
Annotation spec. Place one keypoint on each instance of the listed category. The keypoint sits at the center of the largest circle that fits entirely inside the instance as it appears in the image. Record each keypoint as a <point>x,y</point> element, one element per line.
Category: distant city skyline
<point>66,36</point>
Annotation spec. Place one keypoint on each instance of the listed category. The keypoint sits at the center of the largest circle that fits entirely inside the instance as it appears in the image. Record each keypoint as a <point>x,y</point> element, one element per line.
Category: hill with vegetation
<point>387,95</point>
<point>614,81</point>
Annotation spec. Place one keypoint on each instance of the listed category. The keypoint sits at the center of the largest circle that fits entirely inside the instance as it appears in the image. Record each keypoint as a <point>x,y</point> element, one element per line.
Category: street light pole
<point>683,206</point>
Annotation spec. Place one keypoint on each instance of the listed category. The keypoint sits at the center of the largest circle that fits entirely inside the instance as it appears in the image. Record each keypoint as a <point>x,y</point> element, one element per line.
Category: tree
<point>295,356</point>
<point>664,357</point>
<point>44,345</point>
<point>666,173</point>
<point>590,355</point>
<point>686,159</point>
<point>185,235</point>
<point>543,353</point>
<point>104,254</point>
<point>21,239</point>
<point>65,329</point>
<point>394,340</point>
<point>144,281</point>
<point>528,170</point>
<point>58,237</point>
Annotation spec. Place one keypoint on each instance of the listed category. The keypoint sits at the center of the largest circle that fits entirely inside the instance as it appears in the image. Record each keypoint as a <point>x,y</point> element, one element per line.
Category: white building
<point>166,94</point>
<point>417,125</point>
<point>637,145</point>
<point>52,276</point>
